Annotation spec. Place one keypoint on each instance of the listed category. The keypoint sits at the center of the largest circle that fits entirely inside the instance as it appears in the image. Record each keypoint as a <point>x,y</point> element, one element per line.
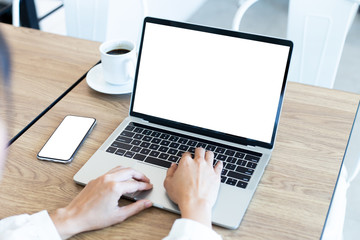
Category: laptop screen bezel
<point>199,130</point>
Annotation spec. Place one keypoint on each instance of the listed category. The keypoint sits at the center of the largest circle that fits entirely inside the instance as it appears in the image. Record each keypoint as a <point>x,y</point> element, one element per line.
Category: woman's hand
<point>194,185</point>
<point>97,207</point>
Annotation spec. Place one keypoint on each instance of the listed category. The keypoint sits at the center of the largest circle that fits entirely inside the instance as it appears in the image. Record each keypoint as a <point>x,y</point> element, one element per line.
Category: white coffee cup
<point>118,61</point>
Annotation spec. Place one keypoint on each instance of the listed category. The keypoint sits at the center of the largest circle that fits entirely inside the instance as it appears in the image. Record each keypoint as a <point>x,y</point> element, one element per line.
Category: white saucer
<point>95,80</point>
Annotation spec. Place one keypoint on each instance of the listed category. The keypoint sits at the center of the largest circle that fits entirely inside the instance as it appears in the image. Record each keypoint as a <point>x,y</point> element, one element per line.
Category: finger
<point>218,168</point>
<point>132,173</point>
<point>185,157</point>
<point>124,174</point>
<point>115,169</point>
<point>170,172</point>
<point>134,208</point>
<point>199,153</point>
<point>131,186</point>
<point>209,157</point>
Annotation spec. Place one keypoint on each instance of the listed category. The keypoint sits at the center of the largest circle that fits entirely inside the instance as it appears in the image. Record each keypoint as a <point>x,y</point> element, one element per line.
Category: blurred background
<point>322,30</point>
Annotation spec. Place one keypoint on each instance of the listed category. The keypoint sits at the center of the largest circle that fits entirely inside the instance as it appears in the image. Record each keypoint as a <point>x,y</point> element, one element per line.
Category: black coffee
<point>118,51</point>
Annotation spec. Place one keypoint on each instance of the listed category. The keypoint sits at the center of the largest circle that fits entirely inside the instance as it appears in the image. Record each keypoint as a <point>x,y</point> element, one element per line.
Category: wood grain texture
<point>291,201</point>
<point>43,66</point>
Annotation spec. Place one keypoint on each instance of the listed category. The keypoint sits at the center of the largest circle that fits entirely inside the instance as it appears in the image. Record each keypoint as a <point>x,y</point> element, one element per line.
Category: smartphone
<point>66,139</point>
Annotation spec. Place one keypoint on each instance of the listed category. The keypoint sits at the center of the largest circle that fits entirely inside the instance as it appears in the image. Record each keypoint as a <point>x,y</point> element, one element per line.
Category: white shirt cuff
<point>37,226</point>
<point>189,229</point>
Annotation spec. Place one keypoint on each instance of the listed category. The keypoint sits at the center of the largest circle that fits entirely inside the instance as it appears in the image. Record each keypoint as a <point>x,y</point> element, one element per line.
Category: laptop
<point>198,86</point>
<point>343,217</point>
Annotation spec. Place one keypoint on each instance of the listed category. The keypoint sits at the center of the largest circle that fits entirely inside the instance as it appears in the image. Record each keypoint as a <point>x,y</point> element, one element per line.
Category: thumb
<point>134,208</point>
<point>170,172</point>
<point>218,168</point>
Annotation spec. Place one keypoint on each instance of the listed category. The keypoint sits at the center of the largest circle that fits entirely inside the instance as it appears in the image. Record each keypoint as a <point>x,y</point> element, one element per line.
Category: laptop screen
<point>211,79</point>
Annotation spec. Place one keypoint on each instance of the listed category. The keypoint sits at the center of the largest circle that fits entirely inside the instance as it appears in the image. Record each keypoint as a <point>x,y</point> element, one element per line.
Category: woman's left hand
<point>97,207</point>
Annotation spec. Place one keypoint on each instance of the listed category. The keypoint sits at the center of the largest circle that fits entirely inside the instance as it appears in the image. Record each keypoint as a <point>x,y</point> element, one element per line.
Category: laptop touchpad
<point>158,194</point>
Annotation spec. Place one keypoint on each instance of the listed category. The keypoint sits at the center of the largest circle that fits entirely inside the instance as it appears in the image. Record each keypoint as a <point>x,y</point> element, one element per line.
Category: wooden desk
<point>291,201</point>
<point>43,67</point>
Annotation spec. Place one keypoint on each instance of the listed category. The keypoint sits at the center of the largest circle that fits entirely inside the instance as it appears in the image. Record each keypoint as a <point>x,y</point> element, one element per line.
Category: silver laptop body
<point>212,85</point>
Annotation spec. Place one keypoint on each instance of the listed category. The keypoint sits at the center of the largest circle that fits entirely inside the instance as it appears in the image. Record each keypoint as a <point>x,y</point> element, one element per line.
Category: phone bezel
<point>58,160</point>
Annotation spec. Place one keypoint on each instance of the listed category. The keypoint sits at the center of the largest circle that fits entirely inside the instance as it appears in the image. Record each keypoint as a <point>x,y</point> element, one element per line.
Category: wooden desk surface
<point>291,201</point>
<point>43,67</point>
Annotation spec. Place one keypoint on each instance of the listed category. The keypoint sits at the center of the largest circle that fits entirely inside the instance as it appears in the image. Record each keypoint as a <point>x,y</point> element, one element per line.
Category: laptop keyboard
<point>161,148</point>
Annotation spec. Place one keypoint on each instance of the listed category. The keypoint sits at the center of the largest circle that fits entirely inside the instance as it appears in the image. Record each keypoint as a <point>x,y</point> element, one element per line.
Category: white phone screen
<point>65,141</point>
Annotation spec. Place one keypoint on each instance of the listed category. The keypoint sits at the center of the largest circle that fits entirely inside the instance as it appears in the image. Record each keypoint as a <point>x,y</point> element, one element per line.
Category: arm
<point>37,226</point>
<point>194,185</point>
<point>97,206</point>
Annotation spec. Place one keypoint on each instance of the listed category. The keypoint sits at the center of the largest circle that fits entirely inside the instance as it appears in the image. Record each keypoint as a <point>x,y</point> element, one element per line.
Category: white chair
<point>33,15</point>
<point>318,29</point>
<point>89,19</point>
<point>102,20</point>
<point>85,18</point>
<point>16,13</point>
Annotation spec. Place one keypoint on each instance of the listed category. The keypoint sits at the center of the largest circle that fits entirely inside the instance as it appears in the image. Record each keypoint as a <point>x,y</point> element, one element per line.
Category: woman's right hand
<point>194,185</point>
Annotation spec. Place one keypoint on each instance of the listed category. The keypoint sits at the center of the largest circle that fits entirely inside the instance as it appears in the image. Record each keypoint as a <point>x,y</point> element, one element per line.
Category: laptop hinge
<point>256,148</point>
<point>251,146</point>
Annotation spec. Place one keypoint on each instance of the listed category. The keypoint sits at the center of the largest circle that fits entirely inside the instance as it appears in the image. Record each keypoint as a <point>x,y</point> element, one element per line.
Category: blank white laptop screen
<point>222,83</point>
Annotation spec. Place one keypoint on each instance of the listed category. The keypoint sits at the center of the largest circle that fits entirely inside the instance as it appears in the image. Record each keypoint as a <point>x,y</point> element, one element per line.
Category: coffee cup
<point>118,61</point>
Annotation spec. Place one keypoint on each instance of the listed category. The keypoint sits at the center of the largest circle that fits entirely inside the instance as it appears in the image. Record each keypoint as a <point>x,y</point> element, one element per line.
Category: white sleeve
<point>186,229</point>
<point>37,226</point>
